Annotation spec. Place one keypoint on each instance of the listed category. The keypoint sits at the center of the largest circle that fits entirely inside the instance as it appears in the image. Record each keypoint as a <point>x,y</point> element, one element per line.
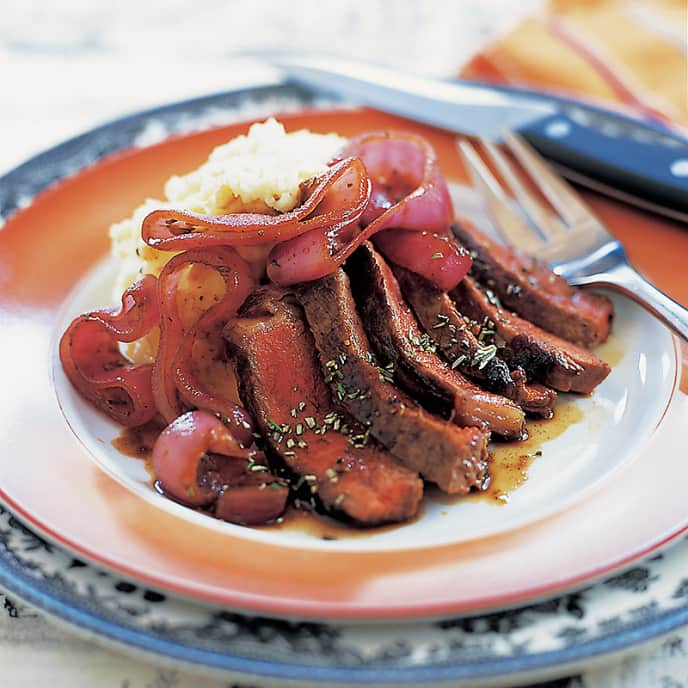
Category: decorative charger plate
<point>567,526</point>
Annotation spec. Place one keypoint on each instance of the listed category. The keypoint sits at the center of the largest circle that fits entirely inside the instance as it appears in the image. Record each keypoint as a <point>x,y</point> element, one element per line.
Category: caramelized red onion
<point>380,181</point>
<point>93,363</point>
<point>333,200</point>
<point>408,192</point>
<point>174,381</point>
<point>235,478</point>
<point>437,258</point>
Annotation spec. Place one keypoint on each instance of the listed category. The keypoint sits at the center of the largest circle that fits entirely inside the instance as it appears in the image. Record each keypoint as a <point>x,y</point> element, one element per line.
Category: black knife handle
<point>639,159</point>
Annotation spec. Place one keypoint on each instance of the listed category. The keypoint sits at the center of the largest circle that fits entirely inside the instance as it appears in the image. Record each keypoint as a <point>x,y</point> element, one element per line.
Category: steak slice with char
<point>452,457</point>
<point>530,288</point>
<point>281,383</point>
<point>533,397</point>
<point>458,344</point>
<point>544,356</point>
<point>400,343</point>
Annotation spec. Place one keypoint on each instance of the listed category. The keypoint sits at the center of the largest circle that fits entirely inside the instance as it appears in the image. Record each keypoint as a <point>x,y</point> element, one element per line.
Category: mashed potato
<point>257,172</point>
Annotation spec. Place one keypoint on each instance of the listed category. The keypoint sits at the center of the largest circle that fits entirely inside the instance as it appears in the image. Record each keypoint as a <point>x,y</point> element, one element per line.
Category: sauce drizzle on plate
<point>138,444</point>
<point>509,467</point>
<point>511,461</point>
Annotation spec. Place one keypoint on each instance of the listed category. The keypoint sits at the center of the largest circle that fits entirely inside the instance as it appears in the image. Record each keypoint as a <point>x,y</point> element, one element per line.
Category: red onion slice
<point>408,192</point>
<point>93,363</point>
<point>251,494</point>
<point>334,199</point>
<point>174,380</point>
<point>435,257</point>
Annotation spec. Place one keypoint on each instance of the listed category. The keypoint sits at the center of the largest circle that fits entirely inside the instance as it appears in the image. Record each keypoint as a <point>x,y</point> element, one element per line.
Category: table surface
<point>68,66</point>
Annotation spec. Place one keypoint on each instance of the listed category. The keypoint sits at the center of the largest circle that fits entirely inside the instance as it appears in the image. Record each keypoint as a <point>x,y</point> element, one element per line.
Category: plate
<point>50,478</point>
<point>552,639</point>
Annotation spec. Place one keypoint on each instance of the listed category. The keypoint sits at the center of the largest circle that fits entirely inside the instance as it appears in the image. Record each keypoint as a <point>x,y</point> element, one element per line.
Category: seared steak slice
<point>544,356</point>
<point>528,287</point>
<point>281,384</point>
<point>533,397</point>
<point>408,354</point>
<point>454,458</point>
<point>456,342</point>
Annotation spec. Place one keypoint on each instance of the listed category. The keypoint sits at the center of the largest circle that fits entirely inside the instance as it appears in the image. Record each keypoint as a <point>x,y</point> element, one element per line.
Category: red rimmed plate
<point>630,429</point>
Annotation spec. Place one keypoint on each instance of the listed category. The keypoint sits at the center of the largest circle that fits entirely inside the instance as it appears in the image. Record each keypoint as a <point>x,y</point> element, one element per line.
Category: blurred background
<point>70,65</point>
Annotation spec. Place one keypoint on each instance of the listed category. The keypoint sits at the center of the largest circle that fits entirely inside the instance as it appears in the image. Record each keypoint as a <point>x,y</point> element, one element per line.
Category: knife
<point>639,161</point>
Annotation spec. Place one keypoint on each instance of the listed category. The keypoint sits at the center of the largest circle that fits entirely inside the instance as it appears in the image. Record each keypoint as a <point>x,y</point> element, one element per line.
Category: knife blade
<point>639,161</point>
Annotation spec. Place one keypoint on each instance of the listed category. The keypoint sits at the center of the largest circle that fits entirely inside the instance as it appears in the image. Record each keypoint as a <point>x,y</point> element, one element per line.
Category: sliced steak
<point>536,399</point>
<point>281,384</point>
<point>454,458</point>
<point>544,356</point>
<point>528,287</point>
<point>408,355</point>
<point>456,342</point>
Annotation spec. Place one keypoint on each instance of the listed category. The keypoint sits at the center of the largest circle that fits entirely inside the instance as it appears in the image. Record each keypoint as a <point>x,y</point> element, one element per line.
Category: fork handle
<point>622,277</point>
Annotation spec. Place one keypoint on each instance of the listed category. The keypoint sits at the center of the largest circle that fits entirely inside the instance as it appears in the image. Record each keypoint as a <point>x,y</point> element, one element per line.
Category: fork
<point>572,239</point>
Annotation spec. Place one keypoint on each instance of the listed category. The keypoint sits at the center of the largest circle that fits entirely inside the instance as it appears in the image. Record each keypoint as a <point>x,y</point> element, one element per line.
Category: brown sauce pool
<point>511,461</point>
<point>509,468</point>
<point>138,443</point>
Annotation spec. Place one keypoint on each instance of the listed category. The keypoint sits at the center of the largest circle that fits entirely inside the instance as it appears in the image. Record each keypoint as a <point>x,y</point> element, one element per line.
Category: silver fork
<point>573,241</point>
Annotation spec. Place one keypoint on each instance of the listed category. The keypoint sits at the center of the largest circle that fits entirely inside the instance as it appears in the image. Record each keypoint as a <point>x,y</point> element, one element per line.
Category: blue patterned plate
<point>548,639</point>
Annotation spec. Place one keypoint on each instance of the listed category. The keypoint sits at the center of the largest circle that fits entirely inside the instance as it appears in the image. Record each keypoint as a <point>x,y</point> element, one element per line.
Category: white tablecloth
<point>67,66</point>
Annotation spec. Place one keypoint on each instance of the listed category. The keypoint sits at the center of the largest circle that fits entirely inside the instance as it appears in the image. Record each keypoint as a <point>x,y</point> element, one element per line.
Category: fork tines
<point>531,225</point>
